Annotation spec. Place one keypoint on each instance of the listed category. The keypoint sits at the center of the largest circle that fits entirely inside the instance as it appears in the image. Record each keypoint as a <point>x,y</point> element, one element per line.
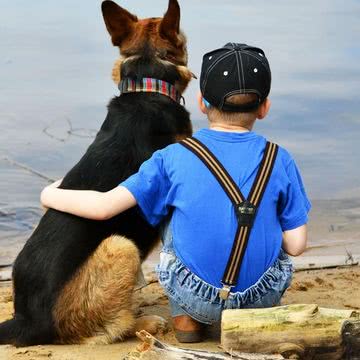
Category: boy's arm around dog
<point>142,188</point>
<point>89,204</point>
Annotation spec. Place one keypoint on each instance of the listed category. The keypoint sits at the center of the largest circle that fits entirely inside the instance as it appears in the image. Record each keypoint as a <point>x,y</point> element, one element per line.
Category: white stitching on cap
<point>261,60</point>
<point>238,67</point>
<point>255,55</point>
<point>237,92</point>
<point>242,71</point>
<point>218,60</point>
<point>213,64</point>
<point>246,91</point>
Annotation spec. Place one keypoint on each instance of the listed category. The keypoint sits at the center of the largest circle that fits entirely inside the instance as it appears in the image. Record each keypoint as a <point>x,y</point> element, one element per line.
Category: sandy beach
<point>334,231</point>
<point>328,288</point>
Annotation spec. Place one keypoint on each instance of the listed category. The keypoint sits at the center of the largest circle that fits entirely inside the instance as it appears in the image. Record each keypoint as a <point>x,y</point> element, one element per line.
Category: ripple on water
<point>16,225</point>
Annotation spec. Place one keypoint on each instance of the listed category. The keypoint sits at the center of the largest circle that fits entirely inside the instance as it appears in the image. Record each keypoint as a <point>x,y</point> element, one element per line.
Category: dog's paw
<point>153,324</point>
<point>98,340</point>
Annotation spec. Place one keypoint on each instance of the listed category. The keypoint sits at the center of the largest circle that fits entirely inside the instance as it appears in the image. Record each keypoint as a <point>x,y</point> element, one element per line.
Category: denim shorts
<point>188,294</point>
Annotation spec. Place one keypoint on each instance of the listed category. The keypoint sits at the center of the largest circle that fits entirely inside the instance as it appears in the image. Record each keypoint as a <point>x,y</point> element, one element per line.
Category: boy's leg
<point>187,330</point>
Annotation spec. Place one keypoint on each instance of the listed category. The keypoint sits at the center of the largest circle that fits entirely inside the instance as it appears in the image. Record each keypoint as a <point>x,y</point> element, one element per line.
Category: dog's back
<point>136,125</point>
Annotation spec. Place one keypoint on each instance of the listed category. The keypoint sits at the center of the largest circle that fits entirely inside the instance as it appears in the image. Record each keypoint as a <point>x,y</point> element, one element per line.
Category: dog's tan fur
<point>100,293</point>
<point>116,71</point>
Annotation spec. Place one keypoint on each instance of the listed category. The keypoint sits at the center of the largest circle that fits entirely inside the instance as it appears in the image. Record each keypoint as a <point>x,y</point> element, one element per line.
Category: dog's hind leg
<point>151,323</point>
<point>97,302</point>
<point>120,327</point>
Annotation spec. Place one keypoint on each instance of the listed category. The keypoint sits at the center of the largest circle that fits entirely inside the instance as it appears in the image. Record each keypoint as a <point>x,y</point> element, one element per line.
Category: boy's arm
<point>295,241</point>
<point>88,204</point>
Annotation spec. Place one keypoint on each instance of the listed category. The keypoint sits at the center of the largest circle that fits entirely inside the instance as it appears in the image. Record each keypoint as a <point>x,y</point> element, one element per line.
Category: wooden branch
<point>334,266</point>
<point>153,349</point>
<point>295,331</point>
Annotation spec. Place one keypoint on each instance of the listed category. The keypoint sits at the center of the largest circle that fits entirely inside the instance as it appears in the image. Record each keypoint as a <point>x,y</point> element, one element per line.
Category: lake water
<point>55,65</point>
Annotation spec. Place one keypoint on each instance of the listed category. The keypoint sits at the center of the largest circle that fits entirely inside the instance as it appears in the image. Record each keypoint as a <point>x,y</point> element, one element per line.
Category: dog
<point>73,280</point>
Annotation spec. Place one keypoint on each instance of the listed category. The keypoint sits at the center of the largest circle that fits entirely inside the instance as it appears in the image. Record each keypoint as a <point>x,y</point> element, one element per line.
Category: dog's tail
<point>19,332</point>
<point>11,331</point>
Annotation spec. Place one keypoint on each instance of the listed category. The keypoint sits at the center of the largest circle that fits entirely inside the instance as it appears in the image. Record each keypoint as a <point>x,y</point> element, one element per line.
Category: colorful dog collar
<point>149,85</point>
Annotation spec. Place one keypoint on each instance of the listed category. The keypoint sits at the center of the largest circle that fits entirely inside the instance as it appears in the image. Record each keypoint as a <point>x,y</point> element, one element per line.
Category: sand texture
<point>337,288</point>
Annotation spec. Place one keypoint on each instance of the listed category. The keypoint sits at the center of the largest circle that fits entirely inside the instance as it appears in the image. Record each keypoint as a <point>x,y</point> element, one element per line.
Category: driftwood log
<point>295,331</point>
<point>153,349</point>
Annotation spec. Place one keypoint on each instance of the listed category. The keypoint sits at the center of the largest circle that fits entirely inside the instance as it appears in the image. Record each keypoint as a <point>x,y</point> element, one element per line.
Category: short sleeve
<point>150,187</point>
<point>294,205</point>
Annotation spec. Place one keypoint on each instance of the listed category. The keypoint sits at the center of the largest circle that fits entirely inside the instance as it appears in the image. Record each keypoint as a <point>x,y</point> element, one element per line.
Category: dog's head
<point>153,47</point>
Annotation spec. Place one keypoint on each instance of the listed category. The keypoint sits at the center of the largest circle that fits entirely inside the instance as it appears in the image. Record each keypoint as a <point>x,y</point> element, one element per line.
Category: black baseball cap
<point>235,69</point>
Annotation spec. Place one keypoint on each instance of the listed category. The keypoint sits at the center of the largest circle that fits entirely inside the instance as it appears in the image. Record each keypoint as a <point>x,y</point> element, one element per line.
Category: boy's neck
<point>228,127</point>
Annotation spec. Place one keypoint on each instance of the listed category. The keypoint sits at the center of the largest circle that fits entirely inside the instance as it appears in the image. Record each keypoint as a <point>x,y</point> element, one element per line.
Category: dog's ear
<point>170,25</point>
<point>119,22</point>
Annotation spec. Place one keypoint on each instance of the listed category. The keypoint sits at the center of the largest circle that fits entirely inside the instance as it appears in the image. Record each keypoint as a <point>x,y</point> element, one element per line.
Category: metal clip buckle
<point>245,213</point>
<point>225,291</point>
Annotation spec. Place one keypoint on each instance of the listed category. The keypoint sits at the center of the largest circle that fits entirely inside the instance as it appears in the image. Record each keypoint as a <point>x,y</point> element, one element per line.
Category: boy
<point>235,83</point>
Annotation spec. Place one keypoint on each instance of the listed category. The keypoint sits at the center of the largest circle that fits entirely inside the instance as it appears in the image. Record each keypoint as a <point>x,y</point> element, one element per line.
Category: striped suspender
<point>245,208</point>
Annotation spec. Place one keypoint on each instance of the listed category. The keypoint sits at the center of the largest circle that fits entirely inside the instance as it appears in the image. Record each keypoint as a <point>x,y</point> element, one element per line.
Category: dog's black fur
<point>136,125</point>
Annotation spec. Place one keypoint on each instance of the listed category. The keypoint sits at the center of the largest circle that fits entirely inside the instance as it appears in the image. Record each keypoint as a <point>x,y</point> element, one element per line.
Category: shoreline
<point>334,230</point>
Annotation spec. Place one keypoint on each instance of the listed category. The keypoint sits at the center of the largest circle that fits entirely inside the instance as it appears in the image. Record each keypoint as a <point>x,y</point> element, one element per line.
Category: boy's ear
<point>170,24</point>
<point>201,104</point>
<point>264,109</point>
<point>119,22</point>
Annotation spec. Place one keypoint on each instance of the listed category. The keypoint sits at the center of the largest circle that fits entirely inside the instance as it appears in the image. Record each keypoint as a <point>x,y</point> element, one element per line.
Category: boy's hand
<point>55,184</point>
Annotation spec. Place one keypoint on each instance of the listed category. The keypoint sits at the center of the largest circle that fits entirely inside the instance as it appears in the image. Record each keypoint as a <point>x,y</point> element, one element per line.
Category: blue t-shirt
<point>203,220</point>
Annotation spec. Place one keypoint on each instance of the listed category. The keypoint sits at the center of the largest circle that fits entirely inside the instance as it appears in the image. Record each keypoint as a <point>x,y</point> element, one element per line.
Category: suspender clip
<point>225,291</point>
<point>246,212</point>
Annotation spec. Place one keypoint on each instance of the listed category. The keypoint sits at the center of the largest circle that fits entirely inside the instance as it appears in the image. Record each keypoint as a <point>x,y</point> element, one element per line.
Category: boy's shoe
<point>187,330</point>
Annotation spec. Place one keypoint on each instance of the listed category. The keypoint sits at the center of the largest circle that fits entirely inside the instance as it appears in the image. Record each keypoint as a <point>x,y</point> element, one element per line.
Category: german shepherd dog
<point>74,278</point>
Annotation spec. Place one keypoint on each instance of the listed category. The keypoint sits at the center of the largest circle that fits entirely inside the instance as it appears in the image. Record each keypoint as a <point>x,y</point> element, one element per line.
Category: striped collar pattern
<point>149,85</point>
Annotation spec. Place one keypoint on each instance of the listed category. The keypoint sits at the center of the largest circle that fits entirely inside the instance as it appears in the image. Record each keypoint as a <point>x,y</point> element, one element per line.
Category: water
<point>55,65</point>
